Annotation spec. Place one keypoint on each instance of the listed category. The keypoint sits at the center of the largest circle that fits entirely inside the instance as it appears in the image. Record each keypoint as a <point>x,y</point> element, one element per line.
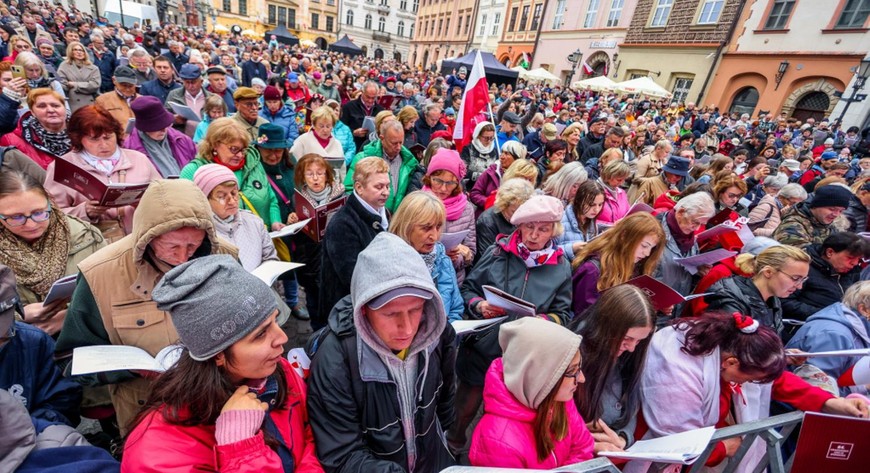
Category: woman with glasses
<point>36,73</point>
<point>481,154</point>
<point>79,77</point>
<point>227,142</point>
<point>728,189</point>
<point>443,180</point>
<point>319,140</point>
<point>41,244</point>
<point>778,272</point>
<point>530,420</point>
<point>96,137</point>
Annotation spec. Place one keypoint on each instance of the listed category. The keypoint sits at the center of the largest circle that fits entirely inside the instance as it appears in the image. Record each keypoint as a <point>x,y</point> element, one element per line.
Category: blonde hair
<point>615,169</point>
<point>521,168</point>
<point>323,112</point>
<point>222,130</point>
<point>382,116</point>
<point>365,168</point>
<point>775,257</point>
<point>571,129</point>
<point>512,192</point>
<point>26,59</point>
<point>610,154</point>
<point>69,56</point>
<point>418,207</point>
<point>407,114</point>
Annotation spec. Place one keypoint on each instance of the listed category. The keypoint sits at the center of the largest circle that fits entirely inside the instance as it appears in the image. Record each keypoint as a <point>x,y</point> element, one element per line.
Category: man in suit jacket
<point>354,112</point>
<point>701,124</point>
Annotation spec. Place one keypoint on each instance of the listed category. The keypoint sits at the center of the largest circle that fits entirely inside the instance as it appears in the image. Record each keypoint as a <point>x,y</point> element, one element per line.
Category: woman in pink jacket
<point>530,420</point>
<point>231,403</point>
<point>616,203</point>
<point>96,140</point>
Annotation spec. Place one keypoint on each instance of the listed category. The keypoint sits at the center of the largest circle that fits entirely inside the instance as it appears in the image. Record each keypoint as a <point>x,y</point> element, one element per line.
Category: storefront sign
<point>603,44</point>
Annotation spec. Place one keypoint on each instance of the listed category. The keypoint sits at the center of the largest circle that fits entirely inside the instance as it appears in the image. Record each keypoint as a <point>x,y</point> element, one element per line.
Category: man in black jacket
<point>834,267</point>
<point>613,139</point>
<point>353,113</point>
<point>253,68</point>
<point>597,128</point>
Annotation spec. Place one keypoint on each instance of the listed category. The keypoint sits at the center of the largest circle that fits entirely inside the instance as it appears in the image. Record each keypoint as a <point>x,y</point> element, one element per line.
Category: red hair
<point>92,121</point>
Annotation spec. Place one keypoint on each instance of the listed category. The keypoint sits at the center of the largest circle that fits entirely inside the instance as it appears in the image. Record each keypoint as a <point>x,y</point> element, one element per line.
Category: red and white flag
<point>587,69</point>
<point>474,102</point>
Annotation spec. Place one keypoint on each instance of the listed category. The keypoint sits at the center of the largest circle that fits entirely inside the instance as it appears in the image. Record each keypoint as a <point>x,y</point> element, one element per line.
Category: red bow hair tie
<point>745,323</point>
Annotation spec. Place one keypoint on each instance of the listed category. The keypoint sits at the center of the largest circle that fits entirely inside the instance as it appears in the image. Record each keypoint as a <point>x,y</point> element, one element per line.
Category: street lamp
<point>574,58</point>
<point>783,66</point>
<point>862,73</point>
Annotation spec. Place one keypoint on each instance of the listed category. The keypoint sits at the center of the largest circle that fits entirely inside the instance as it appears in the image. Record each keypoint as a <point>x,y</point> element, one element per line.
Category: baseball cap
<point>393,294</point>
<point>125,75</point>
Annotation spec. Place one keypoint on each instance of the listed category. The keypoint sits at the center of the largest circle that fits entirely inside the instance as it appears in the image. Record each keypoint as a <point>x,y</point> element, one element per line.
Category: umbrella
<point>496,72</point>
<point>221,28</point>
<point>539,75</point>
<point>251,33</point>
<point>642,85</point>
<point>595,83</point>
<point>307,43</point>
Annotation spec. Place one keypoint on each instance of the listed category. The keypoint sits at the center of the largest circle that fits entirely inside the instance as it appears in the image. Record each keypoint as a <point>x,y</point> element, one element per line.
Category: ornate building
<point>382,28</point>
<point>523,23</point>
<point>444,30</point>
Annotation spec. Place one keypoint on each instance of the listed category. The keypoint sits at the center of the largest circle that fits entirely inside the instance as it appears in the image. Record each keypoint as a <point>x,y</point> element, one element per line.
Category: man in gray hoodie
<point>380,392</point>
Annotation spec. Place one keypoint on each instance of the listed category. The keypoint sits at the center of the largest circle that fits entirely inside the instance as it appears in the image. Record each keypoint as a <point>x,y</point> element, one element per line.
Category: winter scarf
<point>455,205</point>
<point>684,242</point>
<point>39,264</point>
<point>56,144</point>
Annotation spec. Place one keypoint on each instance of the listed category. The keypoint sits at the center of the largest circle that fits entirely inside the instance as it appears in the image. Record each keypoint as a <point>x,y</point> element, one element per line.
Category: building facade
<point>677,43</point>
<point>523,23</point>
<point>244,13</point>
<point>382,28</point>
<point>790,56</point>
<point>444,29</point>
<point>595,28</point>
<point>489,25</point>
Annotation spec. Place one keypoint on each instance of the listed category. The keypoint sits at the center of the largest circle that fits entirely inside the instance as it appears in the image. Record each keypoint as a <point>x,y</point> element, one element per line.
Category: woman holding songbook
<point>319,139</point>
<point>419,221</point>
<point>723,369</point>
<point>631,248</point>
<point>41,244</point>
<point>96,137</point>
<point>530,420</point>
<point>728,189</point>
<point>526,264</point>
<point>444,180</point>
<point>580,219</point>
<point>616,332</point>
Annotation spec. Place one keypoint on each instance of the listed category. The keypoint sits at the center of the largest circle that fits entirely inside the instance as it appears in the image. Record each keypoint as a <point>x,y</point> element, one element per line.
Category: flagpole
<point>492,117</point>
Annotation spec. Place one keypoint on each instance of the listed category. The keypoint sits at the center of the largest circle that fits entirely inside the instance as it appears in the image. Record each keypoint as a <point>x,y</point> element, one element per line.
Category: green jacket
<point>282,175</point>
<point>406,172</point>
<point>252,183</point>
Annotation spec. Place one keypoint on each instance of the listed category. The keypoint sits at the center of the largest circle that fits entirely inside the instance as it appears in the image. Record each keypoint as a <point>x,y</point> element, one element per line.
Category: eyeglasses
<point>235,150</point>
<point>18,220</point>
<point>315,174</point>
<point>443,183</point>
<point>223,198</point>
<point>248,104</point>
<point>795,279</point>
<point>731,195</point>
<point>576,374</point>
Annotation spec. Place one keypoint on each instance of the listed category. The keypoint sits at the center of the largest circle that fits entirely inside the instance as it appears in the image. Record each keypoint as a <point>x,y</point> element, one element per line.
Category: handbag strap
<point>250,207</point>
<point>278,191</point>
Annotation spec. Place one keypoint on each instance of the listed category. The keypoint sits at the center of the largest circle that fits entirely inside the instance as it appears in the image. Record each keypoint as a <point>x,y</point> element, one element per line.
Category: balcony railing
<point>381,36</point>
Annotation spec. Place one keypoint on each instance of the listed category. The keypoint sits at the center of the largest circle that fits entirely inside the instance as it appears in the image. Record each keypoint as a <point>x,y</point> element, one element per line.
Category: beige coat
<point>767,208</point>
<point>118,107</point>
<point>81,83</point>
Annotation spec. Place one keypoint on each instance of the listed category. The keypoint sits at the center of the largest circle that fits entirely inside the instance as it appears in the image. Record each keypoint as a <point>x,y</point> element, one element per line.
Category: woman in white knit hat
<point>530,419</point>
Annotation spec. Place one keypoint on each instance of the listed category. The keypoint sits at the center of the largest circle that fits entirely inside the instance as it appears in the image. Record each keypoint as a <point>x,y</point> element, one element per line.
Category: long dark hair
<point>760,351</point>
<point>583,199</point>
<point>603,327</point>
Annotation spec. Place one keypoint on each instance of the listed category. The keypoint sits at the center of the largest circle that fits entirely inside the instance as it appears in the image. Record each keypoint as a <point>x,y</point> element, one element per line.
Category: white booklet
<point>691,263</point>
<point>512,305</point>
<point>100,358</point>
<point>185,112</point>
<point>684,447</point>
<point>269,271</point>
<point>290,229</point>
<point>464,327</point>
<point>831,354</point>
<point>452,240</point>
<point>61,289</point>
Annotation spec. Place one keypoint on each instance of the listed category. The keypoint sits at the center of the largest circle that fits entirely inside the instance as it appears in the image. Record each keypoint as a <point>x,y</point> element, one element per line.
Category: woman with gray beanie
<point>530,420</point>
<point>231,403</point>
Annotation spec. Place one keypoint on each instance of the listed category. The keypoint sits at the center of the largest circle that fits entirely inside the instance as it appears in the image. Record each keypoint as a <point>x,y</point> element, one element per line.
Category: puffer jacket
<point>800,228</point>
<point>16,139</point>
<point>768,208</point>
<point>573,233</point>
<point>836,327</point>
<point>547,286</point>
<point>445,279</point>
<point>155,445</point>
<point>249,235</point>
<point>490,225</point>
<point>365,412</point>
<point>739,294</point>
<point>823,287</point>
<point>464,222</point>
<point>112,304</point>
<point>286,119</point>
<point>344,135</point>
<point>505,436</point>
<point>616,205</point>
<point>856,213</point>
<point>252,183</point>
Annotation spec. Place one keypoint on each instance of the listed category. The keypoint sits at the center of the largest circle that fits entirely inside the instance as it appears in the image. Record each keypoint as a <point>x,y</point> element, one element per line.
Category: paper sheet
<point>464,327</point>
<point>691,263</point>
<point>290,229</point>
<point>452,240</point>
<point>101,358</point>
<point>834,353</point>
<point>185,112</point>
<point>684,447</point>
<point>269,271</point>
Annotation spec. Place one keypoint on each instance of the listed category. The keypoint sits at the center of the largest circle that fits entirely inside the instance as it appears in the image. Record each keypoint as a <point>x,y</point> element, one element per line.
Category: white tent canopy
<point>535,75</point>
<point>595,83</point>
<point>642,85</point>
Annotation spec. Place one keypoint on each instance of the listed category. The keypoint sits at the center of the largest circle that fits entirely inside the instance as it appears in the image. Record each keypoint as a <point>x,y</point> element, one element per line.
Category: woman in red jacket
<point>231,403</point>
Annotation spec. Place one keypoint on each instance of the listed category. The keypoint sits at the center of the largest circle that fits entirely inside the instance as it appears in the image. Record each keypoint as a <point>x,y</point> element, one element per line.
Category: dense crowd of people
<point>568,202</point>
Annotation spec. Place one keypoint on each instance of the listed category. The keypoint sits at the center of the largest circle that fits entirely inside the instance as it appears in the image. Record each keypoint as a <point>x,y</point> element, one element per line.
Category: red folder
<point>319,216</point>
<point>830,444</point>
<point>108,195</point>
<point>661,296</point>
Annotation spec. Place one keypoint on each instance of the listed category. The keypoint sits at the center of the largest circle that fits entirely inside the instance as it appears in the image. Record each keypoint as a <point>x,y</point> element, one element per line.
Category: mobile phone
<point>18,71</point>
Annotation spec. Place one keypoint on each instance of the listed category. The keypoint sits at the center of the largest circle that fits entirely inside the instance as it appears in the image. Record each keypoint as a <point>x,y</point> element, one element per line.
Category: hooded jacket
<point>739,294</point>
<point>836,327</point>
<point>112,302</point>
<point>800,228</point>
<point>476,161</point>
<point>824,287</point>
<point>370,410</point>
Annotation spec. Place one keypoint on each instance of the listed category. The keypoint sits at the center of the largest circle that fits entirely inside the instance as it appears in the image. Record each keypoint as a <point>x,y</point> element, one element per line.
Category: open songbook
<point>512,305</point>
<point>100,358</point>
<point>684,447</point>
<point>661,296</point>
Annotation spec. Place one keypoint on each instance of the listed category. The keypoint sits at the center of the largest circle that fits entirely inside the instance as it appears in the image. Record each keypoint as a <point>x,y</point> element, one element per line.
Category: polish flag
<point>587,69</point>
<point>474,102</point>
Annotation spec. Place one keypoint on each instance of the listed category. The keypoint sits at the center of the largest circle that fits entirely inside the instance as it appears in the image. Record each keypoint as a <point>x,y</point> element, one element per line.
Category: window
<point>384,2</point>
<point>411,31</point>
<point>710,11</point>
<point>403,5</point>
<point>524,20</point>
<point>400,30</point>
<point>446,27</point>
<point>496,22</point>
<point>243,7</point>
<point>315,21</point>
<point>662,12</point>
<point>512,25</point>
<point>482,25</point>
<point>227,6</point>
<point>615,12</point>
<point>559,15</point>
<point>382,24</point>
<point>282,16</point>
<point>330,23</point>
<point>779,14</point>
<point>681,89</point>
<point>348,20</point>
<point>591,12</point>
<point>414,6</point>
<point>745,101</point>
<point>467,23</point>
<point>368,24</point>
<point>291,18</point>
<point>459,26</point>
<point>273,13</point>
<point>854,14</point>
<point>440,25</point>
<point>536,17</point>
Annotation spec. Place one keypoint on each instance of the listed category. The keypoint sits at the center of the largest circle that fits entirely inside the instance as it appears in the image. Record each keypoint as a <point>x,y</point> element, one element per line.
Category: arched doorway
<point>505,60</point>
<point>814,104</point>
<point>598,61</point>
<point>397,56</point>
<point>321,43</point>
<point>425,63</point>
<point>745,101</point>
<point>365,51</point>
<point>379,53</point>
